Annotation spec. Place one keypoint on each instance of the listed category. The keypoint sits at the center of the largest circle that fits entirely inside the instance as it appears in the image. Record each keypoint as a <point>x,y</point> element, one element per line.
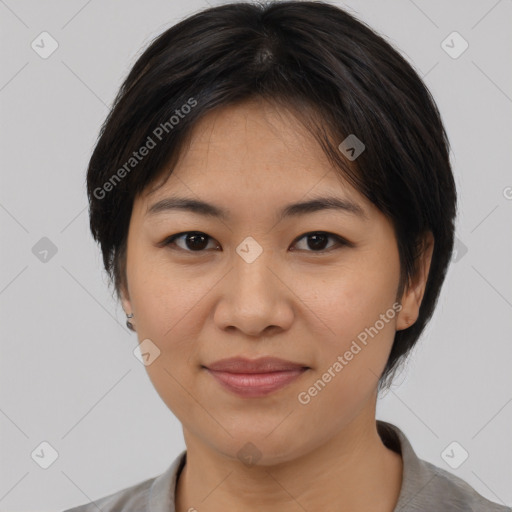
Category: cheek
<point>358,310</point>
<point>354,297</point>
<point>361,315</point>
<point>166,305</point>
<point>164,296</point>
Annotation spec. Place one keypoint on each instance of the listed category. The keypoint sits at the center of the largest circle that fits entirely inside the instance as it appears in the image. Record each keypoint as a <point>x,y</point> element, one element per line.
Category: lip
<point>260,365</point>
<point>255,377</point>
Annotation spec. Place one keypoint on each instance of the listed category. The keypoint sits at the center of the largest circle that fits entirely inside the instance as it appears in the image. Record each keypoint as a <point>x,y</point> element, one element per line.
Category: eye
<point>197,241</point>
<point>318,239</point>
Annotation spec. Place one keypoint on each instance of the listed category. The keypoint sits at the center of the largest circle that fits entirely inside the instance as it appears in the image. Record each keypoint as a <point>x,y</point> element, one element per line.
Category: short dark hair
<point>334,73</point>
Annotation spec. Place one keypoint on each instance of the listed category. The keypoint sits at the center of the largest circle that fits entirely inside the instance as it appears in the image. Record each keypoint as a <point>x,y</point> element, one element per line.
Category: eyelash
<point>169,241</point>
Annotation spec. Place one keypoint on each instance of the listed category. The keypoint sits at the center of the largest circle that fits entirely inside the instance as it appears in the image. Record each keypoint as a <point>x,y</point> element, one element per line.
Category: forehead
<point>252,144</point>
<point>253,135</point>
<point>248,159</point>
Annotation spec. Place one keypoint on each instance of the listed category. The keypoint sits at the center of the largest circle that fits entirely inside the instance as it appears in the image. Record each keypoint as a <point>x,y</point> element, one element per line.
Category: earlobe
<point>415,289</point>
<point>127,306</point>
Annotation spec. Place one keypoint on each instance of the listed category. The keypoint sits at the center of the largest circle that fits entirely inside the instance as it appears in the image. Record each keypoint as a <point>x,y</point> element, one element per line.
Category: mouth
<point>254,378</point>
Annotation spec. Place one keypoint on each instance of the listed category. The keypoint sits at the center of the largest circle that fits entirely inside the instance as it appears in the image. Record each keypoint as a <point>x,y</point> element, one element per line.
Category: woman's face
<point>256,285</point>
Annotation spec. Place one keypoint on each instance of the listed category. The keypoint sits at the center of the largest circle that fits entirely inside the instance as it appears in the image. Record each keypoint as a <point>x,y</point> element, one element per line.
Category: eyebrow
<point>291,210</point>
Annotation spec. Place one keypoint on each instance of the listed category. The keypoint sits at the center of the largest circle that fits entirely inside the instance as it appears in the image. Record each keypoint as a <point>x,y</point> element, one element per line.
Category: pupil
<point>192,242</point>
<point>317,245</point>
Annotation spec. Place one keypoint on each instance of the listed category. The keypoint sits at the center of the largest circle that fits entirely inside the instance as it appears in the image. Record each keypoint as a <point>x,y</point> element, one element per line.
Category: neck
<point>354,470</point>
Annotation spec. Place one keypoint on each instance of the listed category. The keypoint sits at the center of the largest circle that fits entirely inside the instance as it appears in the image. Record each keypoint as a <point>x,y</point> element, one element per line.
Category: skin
<point>294,301</point>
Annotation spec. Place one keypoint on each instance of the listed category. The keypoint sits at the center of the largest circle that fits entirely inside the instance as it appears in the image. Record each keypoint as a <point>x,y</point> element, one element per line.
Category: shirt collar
<point>416,474</point>
<point>161,496</point>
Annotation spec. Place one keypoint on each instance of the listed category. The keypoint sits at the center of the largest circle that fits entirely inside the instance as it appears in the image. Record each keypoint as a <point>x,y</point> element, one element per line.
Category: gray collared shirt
<point>425,487</point>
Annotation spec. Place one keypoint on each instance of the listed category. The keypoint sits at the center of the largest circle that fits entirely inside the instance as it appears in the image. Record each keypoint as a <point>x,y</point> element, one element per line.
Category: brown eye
<point>194,241</point>
<point>317,241</point>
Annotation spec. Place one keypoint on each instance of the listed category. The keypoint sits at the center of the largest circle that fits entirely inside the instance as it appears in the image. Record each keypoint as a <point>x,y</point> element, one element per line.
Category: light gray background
<point>68,373</point>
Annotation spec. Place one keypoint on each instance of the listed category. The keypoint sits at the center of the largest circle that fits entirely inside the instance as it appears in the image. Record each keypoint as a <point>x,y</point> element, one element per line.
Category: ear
<point>125,298</point>
<point>415,289</point>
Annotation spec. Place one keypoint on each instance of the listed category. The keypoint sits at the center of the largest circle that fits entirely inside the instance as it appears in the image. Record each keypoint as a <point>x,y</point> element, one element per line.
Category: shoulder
<point>134,498</point>
<point>152,495</point>
<point>454,494</point>
<point>426,487</point>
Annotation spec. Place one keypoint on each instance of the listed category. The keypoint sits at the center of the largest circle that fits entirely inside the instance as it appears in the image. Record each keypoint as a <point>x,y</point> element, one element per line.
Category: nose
<point>255,298</point>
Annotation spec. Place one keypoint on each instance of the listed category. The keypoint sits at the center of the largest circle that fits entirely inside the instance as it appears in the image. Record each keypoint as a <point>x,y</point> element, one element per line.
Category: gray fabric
<point>425,487</point>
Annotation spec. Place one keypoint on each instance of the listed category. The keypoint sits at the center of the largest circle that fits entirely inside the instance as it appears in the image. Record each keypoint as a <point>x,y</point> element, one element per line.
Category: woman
<point>275,205</point>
